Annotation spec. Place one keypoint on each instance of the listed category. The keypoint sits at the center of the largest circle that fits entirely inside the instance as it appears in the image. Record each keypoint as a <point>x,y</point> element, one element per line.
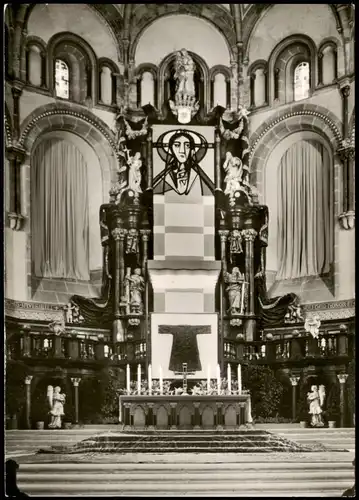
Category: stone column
<point>28,379</point>
<point>76,382</point>
<point>219,416</point>
<point>342,377</point>
<point>149,159</point>
<point>118,235</point>
<point>197,416</point>
<point>249,236</point>
<point>347,155</point>
<point>294,381</point>
<point>16,157</point>
<point>145,234</point>
<point>16,94</point>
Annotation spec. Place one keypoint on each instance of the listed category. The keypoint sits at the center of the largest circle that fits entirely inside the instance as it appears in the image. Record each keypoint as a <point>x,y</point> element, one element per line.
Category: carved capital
<point>347,150</point>
<point>223,234</point>
<point>15,154</point>
<point>345,91</point>
<point>249,234</point>
<point>75,381</point>
<point>15,221</point>
<point>342,377</point>
<point>347,220</point>
<point>294,380</point>
<point>17,88</point>
<point>119,233</point>
<point>28,379</point>
<point>145,234</point>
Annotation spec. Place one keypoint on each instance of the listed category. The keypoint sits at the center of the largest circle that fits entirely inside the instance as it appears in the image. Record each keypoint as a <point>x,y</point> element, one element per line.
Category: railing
<point>49,346</point>
<point>290,349</point>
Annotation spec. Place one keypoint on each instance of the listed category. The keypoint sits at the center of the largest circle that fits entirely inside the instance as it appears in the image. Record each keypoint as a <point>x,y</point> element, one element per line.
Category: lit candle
<point>218,379</point>
<point>128,379</point>
<point>138,379</point>
<point>161,381</point>
<point>229,379</point>
<point>208,379</point>
<point>239,378</point>
<point>149,380</point>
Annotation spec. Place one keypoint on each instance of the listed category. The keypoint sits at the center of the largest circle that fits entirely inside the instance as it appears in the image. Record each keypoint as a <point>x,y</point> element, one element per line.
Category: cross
<point>184,346</point>
<point>184,373</point>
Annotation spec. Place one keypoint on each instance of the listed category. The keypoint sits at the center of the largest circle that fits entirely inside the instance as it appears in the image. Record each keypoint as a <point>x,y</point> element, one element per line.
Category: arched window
<point>62,83</point>
<point>301,81</point>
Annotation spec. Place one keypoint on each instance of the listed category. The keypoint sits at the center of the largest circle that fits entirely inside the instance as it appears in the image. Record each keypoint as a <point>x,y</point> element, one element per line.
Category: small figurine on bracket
<point>132,241</point>
<point>56,400</point>
<point>235,240</point>
<point>136,287</point>
<point>69,308</point>
<point>294,313</point>
<point>235,290</point>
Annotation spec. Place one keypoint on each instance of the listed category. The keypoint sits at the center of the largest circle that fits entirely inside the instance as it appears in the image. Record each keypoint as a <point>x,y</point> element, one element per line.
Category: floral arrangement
<point>200,389</point>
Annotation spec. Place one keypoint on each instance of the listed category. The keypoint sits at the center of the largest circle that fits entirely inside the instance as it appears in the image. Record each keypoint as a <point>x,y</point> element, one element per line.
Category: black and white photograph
<point>179,250</point>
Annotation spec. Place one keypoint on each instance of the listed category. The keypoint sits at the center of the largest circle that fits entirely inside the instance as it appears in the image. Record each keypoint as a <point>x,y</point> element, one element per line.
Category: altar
<point>207,412</point>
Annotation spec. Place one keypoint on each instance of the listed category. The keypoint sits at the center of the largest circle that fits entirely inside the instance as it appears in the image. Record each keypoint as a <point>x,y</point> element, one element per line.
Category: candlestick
<point>208,379</point>
<point>128,379</point>
<point>229,378</point>
<point>149,380</point>
<point>161,381</point>
<point>218,379</point>
<point>138,379</point>
<point>239,378</point>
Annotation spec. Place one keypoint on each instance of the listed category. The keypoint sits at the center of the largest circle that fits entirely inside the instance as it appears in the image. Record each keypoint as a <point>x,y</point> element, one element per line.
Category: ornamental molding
<point>92,120</point>
<point>291,114</point>
<point>33,310</point>
<point>321,306</point>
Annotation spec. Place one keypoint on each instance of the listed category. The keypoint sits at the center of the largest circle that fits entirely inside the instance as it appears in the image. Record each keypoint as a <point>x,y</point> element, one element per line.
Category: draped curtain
<point>305,220</point>
<point>60,221</point>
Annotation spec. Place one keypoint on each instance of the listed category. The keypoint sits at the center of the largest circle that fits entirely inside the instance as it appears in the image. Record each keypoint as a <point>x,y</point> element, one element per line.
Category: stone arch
<point>70,117</point>
<point>8,127</point>
<point>144,15</point>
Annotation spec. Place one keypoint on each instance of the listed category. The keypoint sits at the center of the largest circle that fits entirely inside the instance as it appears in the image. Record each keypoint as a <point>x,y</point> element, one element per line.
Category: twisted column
<point>249,236</point>
<point>118,235</point>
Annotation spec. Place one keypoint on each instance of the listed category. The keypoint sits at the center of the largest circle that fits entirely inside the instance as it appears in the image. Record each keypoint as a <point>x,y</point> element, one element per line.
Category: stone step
<point>119,487</point>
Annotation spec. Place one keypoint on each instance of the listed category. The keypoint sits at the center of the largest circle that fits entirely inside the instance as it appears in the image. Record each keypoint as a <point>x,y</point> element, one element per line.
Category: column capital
<point>223,234</point>
<point>249,234</point>
<point>294,380</point>
<point>345,91</point>
<point>145,234</point>
<point>119,233</point>
<point>75,381</point>
<point>28,379</point>
<point>342,377</point>
<point>17,87</point>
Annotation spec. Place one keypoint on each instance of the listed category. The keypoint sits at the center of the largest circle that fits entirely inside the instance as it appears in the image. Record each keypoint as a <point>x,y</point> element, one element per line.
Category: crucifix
<point>184,374</point>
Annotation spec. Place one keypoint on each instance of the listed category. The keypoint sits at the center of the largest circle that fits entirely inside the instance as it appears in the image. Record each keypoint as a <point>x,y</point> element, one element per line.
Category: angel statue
<point>184,66</point>
<point>56,400</point>
<point>294,313</point>
<point>312,325</point>
<point>235,290</point>
<point>134,172</point>
<point>315,399</point>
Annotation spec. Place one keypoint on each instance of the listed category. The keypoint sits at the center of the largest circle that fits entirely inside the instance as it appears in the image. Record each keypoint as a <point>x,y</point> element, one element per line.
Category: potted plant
<point>333,406</point>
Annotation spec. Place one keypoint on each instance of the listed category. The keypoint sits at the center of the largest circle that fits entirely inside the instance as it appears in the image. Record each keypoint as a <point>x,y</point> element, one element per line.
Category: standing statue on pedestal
<point>184,105</point>
<point>136,288</point>
<point>56,400</point>
<point>315,399</point>
<point>235,289</point>
<point>235,240</point>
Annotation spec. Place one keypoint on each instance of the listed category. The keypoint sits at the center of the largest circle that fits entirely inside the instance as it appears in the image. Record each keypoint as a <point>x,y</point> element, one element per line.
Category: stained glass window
<point>301,81</point>
<point>62,79</point>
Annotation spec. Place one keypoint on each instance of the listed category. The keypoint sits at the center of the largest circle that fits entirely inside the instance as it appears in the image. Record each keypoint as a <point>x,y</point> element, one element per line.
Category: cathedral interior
<point>204,210</point>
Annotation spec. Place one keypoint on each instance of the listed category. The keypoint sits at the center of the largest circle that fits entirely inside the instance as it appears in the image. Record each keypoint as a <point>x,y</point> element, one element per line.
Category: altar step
<point>184,476</point>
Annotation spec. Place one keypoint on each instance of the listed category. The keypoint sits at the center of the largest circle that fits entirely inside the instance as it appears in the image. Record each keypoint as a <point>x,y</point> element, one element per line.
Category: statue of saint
<point>137,286</point>
<point>56,400</point>
<point>184,67</point>
<point>234,171</point>
<point>235,289</point>
<point>132,241</point>
<point>235,240</point>
<point>315,399</point>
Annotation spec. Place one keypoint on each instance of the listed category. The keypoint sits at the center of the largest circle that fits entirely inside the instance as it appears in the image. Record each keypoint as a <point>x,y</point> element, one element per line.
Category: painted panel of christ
<point>184,338</point>
<point>183,164</point>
